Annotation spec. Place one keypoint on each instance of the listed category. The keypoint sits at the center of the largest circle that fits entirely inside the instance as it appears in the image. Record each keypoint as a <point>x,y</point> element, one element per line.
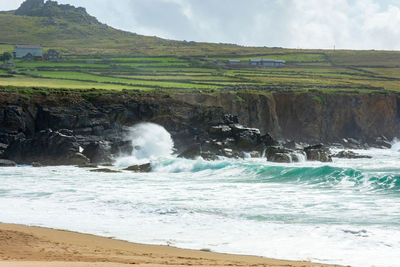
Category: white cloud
<point>356,24</point>
<point>10,5</point>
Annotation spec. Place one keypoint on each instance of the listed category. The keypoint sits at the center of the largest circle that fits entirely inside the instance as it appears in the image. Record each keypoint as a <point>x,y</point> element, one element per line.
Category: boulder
<point>7,163</point>
<point>278,154</point>
<point>36,164</point>
<point>98,152</point>
<point>139,168</point>
<point>318,153</point>
<point>350,155</point>
<point>280,157</point>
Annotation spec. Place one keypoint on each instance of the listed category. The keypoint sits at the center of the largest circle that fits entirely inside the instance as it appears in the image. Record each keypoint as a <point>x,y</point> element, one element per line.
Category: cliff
<point>311,116</point>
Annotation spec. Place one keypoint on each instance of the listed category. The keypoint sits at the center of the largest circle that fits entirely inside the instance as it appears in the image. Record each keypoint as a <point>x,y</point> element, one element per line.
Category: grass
<point>97,56</point>
<point>179,73</point>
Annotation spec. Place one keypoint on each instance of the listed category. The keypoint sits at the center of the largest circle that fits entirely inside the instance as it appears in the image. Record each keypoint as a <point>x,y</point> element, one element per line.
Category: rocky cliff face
<point>99,123</point>
<point>100,118</point>
<point>312,116</point>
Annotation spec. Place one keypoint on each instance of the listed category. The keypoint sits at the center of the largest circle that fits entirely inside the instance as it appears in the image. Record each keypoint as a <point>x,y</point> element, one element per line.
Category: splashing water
<point>349,207</point>
<point>150,141</point>
<point>396,145</point>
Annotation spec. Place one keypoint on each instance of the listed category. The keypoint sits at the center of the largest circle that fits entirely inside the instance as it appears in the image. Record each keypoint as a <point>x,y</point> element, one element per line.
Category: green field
<point>96,56</point>
<point>330,71</point>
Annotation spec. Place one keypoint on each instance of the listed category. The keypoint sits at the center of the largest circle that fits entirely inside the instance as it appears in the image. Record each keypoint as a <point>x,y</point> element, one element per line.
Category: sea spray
<point>396,145</point>
<point>350,207</point>
<point>150,141</point>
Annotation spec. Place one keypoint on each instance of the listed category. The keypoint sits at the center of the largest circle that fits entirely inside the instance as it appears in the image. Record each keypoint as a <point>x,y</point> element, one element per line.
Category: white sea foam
<point>150,141</point>
<point>350,208</point>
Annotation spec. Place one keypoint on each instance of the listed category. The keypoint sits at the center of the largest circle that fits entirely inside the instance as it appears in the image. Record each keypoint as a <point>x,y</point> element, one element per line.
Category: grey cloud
<point>357,24</point>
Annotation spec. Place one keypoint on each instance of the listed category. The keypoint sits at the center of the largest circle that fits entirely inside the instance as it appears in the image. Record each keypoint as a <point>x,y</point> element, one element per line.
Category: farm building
<point>233,61</point>
<point>23,50</point>
<point>51,55</point>
<point>28,57</point>
<point>266,62</point>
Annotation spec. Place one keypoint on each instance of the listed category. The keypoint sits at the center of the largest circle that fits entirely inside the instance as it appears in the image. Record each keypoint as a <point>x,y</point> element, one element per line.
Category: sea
<point>346,212</point>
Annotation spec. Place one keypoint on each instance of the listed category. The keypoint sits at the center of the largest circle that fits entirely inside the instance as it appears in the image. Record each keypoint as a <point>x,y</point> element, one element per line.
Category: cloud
<point>355,24</point>
<point>10,5</point>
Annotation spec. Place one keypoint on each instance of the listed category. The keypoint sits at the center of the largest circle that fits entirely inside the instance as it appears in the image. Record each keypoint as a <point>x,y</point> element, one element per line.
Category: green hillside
<point>97,56</point>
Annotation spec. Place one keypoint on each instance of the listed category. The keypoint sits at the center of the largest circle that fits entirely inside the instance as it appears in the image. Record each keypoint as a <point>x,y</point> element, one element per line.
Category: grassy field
<point>342,70</point>
<point>96,56</point>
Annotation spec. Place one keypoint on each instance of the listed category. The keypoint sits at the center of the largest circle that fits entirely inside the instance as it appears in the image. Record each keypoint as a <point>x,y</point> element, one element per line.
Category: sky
<point>343,24</point>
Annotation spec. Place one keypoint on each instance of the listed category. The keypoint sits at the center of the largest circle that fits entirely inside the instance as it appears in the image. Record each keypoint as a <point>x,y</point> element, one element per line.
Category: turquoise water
<point>346,212</point>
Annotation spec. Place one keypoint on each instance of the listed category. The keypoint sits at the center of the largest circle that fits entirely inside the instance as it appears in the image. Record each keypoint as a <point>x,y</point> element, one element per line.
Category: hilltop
<point>74,31</point>
<point>69,28</point>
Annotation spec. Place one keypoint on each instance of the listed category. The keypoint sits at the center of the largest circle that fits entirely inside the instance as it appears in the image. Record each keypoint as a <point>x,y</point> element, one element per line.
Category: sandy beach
<point>34,246</point>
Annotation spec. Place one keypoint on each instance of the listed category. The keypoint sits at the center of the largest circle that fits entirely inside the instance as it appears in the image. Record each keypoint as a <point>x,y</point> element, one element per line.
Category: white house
<point>23,50</point>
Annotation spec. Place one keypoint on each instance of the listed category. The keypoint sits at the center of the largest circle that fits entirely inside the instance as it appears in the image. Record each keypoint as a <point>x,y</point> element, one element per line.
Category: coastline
<point>31,246</point>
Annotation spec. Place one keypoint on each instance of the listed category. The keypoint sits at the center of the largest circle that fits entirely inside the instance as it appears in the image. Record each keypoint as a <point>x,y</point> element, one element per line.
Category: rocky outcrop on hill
<point>51,9</point>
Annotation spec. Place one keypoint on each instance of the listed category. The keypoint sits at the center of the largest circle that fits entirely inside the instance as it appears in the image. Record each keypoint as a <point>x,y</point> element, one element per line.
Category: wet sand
<point>25,246</point>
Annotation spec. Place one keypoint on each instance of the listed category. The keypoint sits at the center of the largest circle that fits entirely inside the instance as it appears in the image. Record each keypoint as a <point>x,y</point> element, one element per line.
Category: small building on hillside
<point>51,55</point>
<point>234,61</point>
<point>266,62</point>
<point>28,57</point>
<point>23,50</point>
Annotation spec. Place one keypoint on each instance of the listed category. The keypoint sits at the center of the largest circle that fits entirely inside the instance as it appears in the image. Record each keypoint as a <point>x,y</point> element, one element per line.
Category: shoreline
<point>31,246</point>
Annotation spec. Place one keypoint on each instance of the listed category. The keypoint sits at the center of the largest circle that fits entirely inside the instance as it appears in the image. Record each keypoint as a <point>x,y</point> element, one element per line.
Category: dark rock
<point>220,131</point>
<point>381,142</point>
<point>208,156</point>
<point>122,148</point>
<point>87,165</point>
<point>294,157</point>
<point>272,150</point>
<point>317,146</point>
<point>105,170</point>
<point>230,119</point>
<point>280,157</point>
<point>47,147</point>
<point>318,153</point>
<point>255,154</point>
<point>3,146</point>
<point>66,132</point>
<point>139,168</point>
<point>294,145</point>
<point>350,155</point>
<point>98,152</point>
<point>278,154</point>
<point>191,152</point>
<point>36,164</point>
<point>7,163</point>
<point>77,159</point>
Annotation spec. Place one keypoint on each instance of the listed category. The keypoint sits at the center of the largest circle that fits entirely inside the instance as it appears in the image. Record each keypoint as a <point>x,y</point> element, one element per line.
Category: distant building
<point>23,50</point>
<point>266,62</point>
<point>28,57</point>
<point>233,61</point>
<point>51,55</point>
